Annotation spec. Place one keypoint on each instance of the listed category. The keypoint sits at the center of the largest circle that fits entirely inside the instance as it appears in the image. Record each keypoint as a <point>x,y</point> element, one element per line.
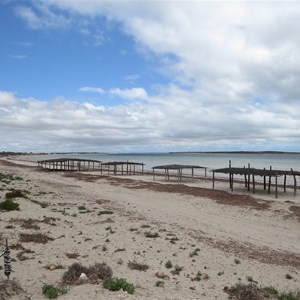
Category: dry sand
<point>260,232</point>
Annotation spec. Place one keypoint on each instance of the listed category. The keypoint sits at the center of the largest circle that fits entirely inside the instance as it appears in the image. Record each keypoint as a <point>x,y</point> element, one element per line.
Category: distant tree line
<point>10,153</point>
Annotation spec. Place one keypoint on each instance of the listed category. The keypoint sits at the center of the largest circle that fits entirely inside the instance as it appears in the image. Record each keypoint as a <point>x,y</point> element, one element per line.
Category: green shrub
<point>116,284</point>
<point>177,270</point>
<point>289,296</point>
<point>52,292</point>
<point>195,252</point>
<point>271,290</point>
<point>105,212</point>
<point>81,207</point>
<point>9,205</point>
<point>168,264</point>
<point>7,178</point>
<point>288,276</point>
<point>159,283</point>
<point>149,234</point>
<point>236,288</point>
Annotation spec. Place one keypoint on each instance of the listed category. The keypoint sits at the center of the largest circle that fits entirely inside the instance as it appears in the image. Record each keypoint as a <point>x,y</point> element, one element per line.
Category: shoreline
<point>259,231</point>
<point>9,153</point>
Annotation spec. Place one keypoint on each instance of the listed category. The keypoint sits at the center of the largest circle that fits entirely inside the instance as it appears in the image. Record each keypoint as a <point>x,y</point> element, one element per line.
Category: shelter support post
<point>295,182</point>
<point>276,186</point>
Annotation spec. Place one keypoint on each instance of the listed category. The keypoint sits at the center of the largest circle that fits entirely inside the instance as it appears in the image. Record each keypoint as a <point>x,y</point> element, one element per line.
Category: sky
<point>149,75</point>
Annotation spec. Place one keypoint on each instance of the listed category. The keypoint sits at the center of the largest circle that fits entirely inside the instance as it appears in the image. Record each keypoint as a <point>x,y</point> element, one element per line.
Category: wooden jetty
<point>250,173</point>
<point>179,170</point>
<point>123,167</point>
<point>70,164</point>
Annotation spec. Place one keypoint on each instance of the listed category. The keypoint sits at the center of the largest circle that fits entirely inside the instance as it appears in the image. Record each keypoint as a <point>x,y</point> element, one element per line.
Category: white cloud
<point>91,89</point>
<point>157,123</point>
<point>40,16</point>
<point>7,99</point>
<point>132,93</point>
<point>219,56</point>
<point>129,94</point>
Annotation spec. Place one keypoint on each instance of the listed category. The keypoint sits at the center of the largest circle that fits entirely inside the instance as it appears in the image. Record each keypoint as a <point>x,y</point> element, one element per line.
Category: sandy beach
<point>213,238</point>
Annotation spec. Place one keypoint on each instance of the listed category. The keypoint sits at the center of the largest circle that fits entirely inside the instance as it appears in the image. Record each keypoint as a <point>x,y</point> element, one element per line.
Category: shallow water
<point>278,161</point>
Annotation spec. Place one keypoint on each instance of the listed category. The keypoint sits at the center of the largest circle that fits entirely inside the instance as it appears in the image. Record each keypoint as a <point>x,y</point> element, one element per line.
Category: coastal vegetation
<point>117,284</point>
<point>9,205</point>
<point>253,291</point>
<point>39,238</point>
<point>52,292</point>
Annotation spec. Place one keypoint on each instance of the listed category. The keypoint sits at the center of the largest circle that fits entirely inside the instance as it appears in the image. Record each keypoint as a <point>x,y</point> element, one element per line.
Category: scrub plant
<point>117,284</point>
<point>137,266</point>
<point>9,205</point>
<point>35,238</point>
<point>52,292</point>
<point>150,234</point>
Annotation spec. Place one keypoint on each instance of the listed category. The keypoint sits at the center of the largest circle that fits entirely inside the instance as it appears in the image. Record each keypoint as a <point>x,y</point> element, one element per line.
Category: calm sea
<point>278,161</point>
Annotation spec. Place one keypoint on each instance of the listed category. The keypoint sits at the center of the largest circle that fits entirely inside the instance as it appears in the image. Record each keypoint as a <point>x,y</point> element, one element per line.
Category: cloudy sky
<point>149,75</point>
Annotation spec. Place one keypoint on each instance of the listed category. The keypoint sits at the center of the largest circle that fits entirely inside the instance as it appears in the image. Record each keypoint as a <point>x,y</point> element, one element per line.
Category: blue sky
<point>142,76</point>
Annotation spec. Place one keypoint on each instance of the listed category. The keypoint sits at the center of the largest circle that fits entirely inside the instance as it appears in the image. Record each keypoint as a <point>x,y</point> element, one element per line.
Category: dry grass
<point>35,238</point>
<point>72,255</point>
<point>9,288</point>
<point>94,273</point>
<point>137,266</point>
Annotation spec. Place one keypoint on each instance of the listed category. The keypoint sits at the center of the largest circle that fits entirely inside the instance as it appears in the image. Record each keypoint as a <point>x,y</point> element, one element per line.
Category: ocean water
<point>278,161</point>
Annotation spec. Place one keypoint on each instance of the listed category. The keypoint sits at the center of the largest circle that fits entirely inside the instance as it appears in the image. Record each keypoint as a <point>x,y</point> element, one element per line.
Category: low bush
<point>7,178</point>
<point>9,205</point>
<point>52,292</point>
<point>137,266</point>
<point>150,234</point>
<point>195,252</point>
<point>105,212</point>
<point>98,271</point>
<point>71,276</point>
<point>289,296</point>
<point>9,289</point>
<point>168,264</point>
<point>116,284</point>
<point>252,291</point>
<point>34,238</point>
<point>15,194</point>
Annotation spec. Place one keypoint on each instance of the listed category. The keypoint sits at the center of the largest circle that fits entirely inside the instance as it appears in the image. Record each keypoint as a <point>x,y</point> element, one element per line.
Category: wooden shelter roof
<point>177,167</point>
<point>67,159</point>
<point>118,163</point>
<point>256,172</point>
<point>69,164</point>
